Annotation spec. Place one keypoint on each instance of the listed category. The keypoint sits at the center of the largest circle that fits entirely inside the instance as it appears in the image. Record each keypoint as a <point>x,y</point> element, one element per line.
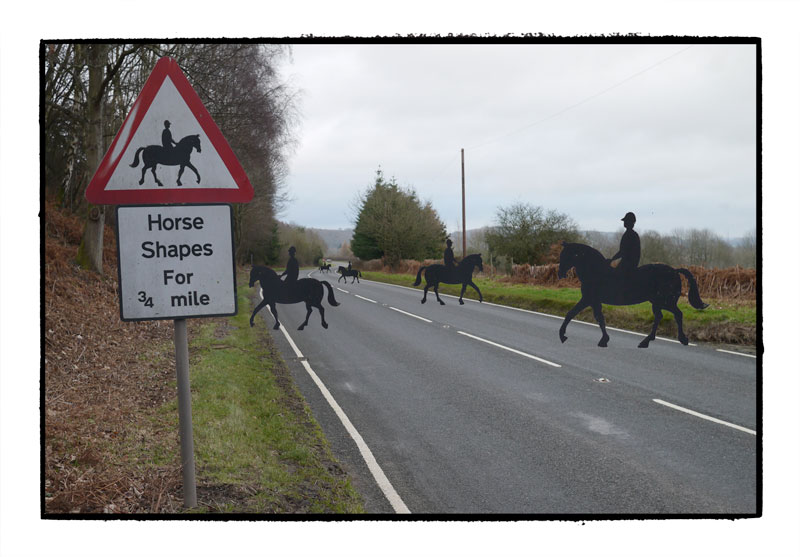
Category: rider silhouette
<point>349,266</point>
<point>449,257</point>
<point>166,137</point>
<point>292,270</point>
<point>630,249</point>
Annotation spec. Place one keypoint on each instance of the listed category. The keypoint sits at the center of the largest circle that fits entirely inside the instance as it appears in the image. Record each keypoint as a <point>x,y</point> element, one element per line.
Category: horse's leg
<point>425,293</point>
<point>308,314</point>
<point>191,166</point>
<point>597,308</point>
<point>679,320</point>
<point>144,169</point>
<point>153,168</point>
<point>579,307</point>
<point>436,291</point>
<point>274,309</point>
<point>258,308</point>
<point>180,173</point>
<point>657,315</point>
<point>321,309</point>
<point>475,286</point>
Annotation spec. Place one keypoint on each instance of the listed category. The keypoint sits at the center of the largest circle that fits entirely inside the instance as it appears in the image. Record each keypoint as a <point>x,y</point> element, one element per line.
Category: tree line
<point>393,224</point>
<point>88,89</point>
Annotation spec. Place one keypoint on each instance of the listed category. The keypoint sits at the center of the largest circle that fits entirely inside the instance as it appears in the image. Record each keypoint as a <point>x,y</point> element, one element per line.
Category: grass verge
<point>724,321</point>
<point>258,448</point>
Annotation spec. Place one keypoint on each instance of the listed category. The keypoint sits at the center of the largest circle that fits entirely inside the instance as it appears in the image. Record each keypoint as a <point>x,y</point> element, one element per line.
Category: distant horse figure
<point>462,274</point>
<point>325,267</point>
<point>657,283</point>
<point>355,273</point>
<point>178,155</point>
<point>275,291</point>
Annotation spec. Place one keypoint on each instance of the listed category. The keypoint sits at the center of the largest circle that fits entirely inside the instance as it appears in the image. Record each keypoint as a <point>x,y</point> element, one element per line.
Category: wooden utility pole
<point>463,211</point>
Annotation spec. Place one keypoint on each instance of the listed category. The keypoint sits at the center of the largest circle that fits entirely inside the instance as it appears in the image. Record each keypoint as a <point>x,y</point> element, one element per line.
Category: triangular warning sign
<point>169,150</point>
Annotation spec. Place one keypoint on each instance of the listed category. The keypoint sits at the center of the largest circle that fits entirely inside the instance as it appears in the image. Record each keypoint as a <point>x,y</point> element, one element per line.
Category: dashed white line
<point>363,298</point>
<point>533,312</point>
<point>531,356</point>
<point>737,353</point>
<point>342,290</point>
<point>699,415</point>
<point>411,315</point>
<point>372,464</point>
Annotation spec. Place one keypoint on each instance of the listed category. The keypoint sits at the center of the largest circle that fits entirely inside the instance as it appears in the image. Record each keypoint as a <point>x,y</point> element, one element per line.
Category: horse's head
<point>473,260</point>
<point>263,275</point>
<point>193,141</point>
<point>567,260</point>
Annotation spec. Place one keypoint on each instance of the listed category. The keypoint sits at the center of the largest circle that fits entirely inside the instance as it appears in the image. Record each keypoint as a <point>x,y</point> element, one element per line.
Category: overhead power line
<point>581,102</point>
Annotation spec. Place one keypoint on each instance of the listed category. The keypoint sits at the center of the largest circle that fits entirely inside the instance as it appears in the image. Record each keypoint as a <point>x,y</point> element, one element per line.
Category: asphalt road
<point>480,409</point>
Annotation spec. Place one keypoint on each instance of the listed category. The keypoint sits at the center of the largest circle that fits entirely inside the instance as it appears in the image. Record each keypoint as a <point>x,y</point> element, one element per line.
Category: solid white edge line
<point>737,353</point>
<point>363,298</point>
<point>533,312</point>
<point>411,315</point>
<point>509,349</point>
<point>699,415</point>
<point>372,464</point>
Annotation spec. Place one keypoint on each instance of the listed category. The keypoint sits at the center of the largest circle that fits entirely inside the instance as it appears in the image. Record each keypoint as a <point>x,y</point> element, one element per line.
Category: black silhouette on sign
<point>166,137</point>
<point>325,268</point>
<point>601,284</point>
<point>275,291</point>
<point>348,272</point>
<point>169,156</point>
<point>460,274</point>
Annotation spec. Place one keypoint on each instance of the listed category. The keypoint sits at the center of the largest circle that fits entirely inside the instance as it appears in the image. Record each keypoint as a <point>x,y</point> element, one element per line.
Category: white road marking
<point>411,315</point>
<point>737,353</point>
<point>363,298</point>
<point>345,291</point>
<point>533,312</point>
<point>509,349</point>
<point>377,472</point>
<point>699,415</point>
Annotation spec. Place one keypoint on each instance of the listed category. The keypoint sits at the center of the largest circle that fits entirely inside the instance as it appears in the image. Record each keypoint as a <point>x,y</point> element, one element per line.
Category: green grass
<point>253,432</point>
<point>722,321</point>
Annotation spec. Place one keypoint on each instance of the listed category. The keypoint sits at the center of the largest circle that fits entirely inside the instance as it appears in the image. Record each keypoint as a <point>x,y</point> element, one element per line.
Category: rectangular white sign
<point>176,261</point>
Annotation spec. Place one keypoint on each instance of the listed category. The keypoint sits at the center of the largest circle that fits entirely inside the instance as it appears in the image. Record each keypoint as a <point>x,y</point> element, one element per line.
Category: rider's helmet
<point>292,250</point>
<point>449,242</point>
<point>166,123</point>
<point>629,218</point>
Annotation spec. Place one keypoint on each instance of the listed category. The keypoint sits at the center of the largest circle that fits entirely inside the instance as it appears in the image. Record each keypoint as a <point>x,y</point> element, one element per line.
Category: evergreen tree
<point>394,224</point>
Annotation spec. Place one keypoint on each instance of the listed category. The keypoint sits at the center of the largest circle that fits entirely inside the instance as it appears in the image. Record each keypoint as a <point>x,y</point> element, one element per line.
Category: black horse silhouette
<point>178,155</point>
<point>275,291</point>
<point>462,274</point>
<point>355,273</point>
<point>657,283</point>
<point>325,267</point>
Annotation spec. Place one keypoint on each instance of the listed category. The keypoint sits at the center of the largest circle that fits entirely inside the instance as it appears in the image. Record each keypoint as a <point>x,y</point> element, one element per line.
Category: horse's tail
<point>360,275</point>
<point>419,276</point>
<point>331,299</point>
<point>136,157</point>
<point>694,292</point>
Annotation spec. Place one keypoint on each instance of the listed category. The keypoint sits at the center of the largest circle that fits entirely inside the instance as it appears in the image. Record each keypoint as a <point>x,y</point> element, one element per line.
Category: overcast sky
<point>667,131</point>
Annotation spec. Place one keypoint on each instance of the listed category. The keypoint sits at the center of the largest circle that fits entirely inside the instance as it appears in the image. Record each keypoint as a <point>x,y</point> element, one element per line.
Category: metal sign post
<point>185,413</point>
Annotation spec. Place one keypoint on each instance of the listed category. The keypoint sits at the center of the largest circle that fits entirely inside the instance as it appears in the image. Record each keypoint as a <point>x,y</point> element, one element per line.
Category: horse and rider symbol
<point>169,153</point>
<point>627,284</point>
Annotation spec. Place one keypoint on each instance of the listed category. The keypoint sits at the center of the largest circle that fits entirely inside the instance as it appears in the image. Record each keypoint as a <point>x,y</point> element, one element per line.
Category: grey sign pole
<point>185,413</point>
